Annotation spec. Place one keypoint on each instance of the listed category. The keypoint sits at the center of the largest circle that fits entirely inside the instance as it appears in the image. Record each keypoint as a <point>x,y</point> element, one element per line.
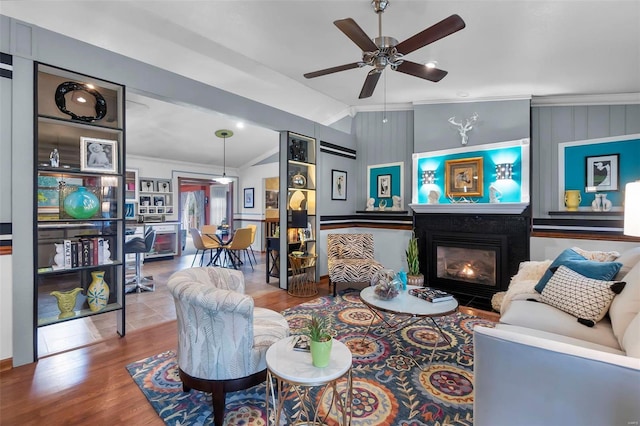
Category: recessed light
<point>240,125</point>
<point>462,94</point>
<point>431,64</point>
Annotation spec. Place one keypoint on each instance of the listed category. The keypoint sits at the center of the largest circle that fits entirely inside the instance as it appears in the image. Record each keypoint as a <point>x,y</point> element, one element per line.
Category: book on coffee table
<point>432,295</point>
<point>301,343</point>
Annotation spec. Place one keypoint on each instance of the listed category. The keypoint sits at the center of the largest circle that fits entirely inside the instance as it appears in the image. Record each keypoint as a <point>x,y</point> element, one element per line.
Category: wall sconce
<point>632,209</point>
<point>428,177</point>
<point>504,171</point>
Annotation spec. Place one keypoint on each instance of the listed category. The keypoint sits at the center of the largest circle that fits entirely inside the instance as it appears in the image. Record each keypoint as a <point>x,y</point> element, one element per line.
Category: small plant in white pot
<point>320,340</point>
<point>414,276</point>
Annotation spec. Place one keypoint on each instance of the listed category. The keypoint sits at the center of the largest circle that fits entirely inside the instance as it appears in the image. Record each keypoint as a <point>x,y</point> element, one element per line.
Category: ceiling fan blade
<point>352,30</point>
<point>434,33</point>
<point>333,69</point>
<point>418,70</point>
<point>370,84</point>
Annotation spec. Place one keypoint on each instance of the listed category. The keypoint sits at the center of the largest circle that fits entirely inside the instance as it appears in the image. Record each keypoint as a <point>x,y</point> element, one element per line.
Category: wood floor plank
<point>92,385</point>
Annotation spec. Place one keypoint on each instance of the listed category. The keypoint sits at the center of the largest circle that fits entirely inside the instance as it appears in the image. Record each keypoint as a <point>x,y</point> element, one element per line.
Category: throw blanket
<point>523,283</point>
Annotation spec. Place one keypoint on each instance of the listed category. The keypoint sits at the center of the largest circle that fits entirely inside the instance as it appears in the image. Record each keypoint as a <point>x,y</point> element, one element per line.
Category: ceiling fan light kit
<point>384,51</point>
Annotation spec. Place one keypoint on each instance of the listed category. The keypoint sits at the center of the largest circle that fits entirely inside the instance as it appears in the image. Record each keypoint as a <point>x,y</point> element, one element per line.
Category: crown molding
<point>573,100</point>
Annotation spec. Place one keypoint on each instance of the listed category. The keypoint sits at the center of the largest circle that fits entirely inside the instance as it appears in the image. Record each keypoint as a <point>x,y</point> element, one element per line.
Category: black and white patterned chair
<point>350,258</point>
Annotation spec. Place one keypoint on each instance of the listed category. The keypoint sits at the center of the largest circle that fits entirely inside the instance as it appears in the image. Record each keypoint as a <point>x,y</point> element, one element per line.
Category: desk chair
<point>139,245</point>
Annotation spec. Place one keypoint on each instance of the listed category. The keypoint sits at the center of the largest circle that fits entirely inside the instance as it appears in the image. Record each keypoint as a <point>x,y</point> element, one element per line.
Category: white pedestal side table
<point>295,374</point>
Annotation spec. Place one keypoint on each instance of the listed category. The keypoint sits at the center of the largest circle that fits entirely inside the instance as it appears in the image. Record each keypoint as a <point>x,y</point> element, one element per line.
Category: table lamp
<point>632,209</point>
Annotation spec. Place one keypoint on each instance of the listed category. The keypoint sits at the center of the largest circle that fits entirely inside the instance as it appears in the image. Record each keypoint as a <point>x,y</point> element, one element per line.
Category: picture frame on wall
<point>384,186</point>
<point>338,185</point>
<point>98,155</point>
<point>248,198</point>
<point>147,186</point>
<point>603,172</point>
<point>464,178</point>
<point>163,186</point>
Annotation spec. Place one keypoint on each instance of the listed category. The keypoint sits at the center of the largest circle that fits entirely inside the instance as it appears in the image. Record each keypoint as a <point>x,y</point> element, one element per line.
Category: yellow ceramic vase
<point>66,302</point>
<point>98,292</point>
<point>572,199</point>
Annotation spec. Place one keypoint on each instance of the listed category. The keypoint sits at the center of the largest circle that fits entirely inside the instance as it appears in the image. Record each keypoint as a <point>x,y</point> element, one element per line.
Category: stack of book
<point>431,294</point>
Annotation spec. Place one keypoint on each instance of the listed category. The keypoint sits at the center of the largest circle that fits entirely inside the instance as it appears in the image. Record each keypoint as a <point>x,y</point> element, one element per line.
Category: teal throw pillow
<point>589,268</point>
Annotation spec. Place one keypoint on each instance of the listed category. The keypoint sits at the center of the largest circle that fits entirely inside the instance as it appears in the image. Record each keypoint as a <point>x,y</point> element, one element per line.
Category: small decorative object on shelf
<point>54,158</point>
<point>572,199</point>
<point>601,203</point>
<point>462,200</point>
<point>432,295</point>
<point>320,341</point>
<point>299,181</point>
<point>98,292</point>
<point>80,203</point>
<point>72,86</point>
<point>494,194</point>
<point>370,203</point>
<point>382,205</point>
<point>397,203</point>
<point>66,302</point>
<point>434,196</point>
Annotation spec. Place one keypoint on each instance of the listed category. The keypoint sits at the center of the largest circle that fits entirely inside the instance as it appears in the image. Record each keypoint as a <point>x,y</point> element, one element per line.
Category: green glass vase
<point>81,204</point>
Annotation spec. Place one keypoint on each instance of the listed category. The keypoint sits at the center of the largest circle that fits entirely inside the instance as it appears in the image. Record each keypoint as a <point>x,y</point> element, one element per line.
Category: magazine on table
<point>432,295</point>
<point>301,343</point>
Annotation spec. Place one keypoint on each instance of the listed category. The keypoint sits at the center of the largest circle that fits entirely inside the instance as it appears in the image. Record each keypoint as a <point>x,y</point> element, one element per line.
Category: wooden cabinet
<point>79,197</point>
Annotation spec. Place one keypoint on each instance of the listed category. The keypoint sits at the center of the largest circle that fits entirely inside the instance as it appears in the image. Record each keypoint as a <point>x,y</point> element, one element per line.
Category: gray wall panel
<point>555,124</point>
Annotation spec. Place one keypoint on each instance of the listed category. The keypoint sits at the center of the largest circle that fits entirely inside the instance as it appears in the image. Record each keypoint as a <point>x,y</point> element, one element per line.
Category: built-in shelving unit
<point>155,197</point>
<point>79,197</point>
<point>298,219</point>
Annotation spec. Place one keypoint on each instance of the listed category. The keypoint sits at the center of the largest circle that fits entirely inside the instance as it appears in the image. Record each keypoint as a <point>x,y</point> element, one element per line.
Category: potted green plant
<point>414,276</point>
<point>320,340</point>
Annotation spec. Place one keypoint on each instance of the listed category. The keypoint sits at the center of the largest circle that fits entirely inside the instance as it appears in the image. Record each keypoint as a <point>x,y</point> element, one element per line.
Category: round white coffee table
<point>294,373</point>
<point>412,308</point>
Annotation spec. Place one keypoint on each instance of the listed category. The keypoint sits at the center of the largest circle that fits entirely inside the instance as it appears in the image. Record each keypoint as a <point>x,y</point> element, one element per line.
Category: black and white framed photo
<point>338,185</point>
<point>98,155</point>
<point>158,200</point>
<point>147,185</point>
<point>603,172</point>
<point>163,185</point>
<point>384,186</point>
<point>248,198</point>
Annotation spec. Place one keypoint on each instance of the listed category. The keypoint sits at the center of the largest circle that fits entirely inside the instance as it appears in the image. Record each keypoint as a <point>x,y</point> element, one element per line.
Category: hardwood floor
<point>90,384</point>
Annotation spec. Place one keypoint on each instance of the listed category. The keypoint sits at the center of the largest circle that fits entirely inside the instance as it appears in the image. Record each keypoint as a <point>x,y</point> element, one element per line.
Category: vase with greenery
<point>414,276</point>
<point>320,340</point>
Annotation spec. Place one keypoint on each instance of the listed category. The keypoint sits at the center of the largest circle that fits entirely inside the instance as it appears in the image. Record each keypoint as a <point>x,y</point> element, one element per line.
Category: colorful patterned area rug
<point>389,389</point>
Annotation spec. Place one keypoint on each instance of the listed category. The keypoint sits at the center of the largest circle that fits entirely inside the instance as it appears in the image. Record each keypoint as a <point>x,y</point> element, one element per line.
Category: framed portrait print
<point>603,172</point>
<point>338,185</point>
<point>384,186</point>
<point>98,155</point>
<point>163,185</point>
<point>147,186</point>
<point>463,178</point>
<point>248,198</point>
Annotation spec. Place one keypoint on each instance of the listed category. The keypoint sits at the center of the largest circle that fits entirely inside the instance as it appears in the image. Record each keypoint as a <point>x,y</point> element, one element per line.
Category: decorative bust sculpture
<point>370,203</point>
<point>434,196</point>
<point>494,194</point>
<point>397,203</point>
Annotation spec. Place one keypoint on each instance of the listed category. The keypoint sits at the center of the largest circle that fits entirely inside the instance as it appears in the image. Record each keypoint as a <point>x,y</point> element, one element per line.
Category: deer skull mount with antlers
<point>463,129</point>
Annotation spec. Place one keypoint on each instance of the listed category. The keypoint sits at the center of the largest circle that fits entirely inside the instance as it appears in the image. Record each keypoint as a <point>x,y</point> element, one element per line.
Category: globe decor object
<point>79,202</point>
<point>98,292</point>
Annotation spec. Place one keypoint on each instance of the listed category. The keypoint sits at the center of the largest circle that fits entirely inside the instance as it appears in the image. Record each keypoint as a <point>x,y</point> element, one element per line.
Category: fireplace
<point>472,256</point>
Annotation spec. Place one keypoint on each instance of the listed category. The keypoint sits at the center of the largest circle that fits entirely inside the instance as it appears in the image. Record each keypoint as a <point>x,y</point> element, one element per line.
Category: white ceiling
<point>260,49</point>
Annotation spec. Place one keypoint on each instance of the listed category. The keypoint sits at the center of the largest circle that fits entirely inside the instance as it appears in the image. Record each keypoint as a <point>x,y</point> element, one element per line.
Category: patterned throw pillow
<point>587,299</point>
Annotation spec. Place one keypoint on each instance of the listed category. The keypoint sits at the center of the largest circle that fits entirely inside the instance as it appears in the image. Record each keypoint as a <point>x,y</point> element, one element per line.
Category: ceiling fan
<point>382,51</point>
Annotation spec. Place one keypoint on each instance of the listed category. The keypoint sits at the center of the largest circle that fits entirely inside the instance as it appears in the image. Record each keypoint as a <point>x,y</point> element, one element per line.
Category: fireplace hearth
<point>472,256</point>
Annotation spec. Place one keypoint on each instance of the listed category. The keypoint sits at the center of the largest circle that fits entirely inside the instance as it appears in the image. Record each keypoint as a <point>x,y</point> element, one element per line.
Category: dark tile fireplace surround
<point>472,256</point>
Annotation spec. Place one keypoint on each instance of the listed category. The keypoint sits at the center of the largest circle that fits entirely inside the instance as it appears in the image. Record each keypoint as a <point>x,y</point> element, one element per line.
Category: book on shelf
<point>432,295</point>
<point>301,343</point>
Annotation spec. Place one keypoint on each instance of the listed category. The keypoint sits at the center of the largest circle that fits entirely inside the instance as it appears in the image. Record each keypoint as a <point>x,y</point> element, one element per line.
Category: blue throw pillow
<point>597,270</point>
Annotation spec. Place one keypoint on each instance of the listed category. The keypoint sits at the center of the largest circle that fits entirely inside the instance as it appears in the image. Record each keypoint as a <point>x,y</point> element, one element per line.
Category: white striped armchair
<point>350,259</point>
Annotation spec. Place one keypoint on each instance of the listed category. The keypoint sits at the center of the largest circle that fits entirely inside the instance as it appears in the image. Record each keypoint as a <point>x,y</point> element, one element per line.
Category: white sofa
<point>540,366</point>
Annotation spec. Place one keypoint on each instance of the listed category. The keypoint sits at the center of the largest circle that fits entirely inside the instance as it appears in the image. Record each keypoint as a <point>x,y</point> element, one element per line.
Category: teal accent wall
<point>510,188</point>
<point>396,175</point>
<point>575,174</point>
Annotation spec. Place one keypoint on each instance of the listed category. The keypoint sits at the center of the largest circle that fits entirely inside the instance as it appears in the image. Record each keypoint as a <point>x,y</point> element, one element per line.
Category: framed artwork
<point>248,198</point>
<point>158,200</point>
<point>147,186</point>
<point>98,155</point>
<point>271,199</point>
<point>463,178</point>
<point>384,186</point>
<point>603,172</point>
<point>338,185</point>
<point>145,200</point>
<point>49,192</point>
<point>163,185</point>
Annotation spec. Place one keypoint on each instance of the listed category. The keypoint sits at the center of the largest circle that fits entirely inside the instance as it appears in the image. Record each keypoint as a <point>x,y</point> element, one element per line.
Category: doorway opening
<point>203,202</point>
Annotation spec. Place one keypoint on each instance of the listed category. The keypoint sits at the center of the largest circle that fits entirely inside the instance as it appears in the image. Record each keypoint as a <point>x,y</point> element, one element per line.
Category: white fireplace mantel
<point>471,208</point>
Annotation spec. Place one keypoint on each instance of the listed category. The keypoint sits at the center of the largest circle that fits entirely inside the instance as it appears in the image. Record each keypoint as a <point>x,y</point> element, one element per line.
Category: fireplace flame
<point>468,271</point>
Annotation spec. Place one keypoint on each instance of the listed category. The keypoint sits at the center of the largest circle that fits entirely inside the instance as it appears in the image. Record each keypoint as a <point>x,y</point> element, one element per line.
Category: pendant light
<point>224,134</point>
